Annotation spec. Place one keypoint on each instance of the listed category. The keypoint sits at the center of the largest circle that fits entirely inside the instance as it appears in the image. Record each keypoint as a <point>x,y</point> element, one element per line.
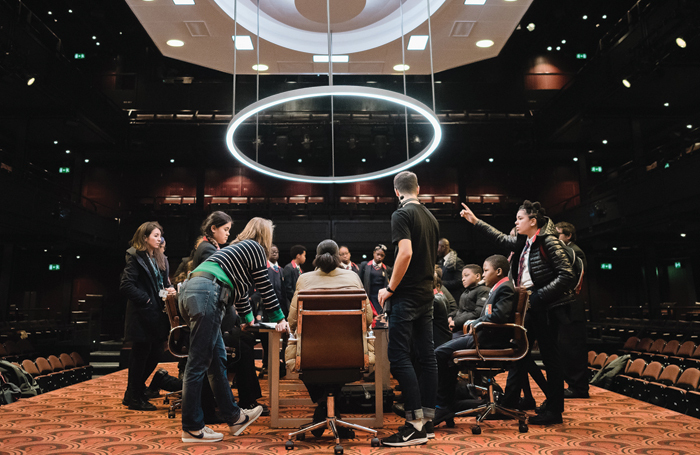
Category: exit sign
<point>78,56</point>
<point>596,168</point>
<point>54,267</point>
<point>677,265</point>
<point>606,266</point>
<point>578,56</point>
<point>64,170</point>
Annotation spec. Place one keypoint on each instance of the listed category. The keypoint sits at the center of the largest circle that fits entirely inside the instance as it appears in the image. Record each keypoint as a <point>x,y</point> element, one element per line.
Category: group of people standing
<point>216,279</point>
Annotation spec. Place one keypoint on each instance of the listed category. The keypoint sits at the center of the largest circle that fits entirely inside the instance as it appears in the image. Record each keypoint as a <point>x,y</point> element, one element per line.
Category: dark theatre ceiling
<point>555,94</point>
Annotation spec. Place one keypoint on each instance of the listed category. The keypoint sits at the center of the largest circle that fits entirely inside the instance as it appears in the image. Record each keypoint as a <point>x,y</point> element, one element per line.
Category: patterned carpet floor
<point>88,418</point>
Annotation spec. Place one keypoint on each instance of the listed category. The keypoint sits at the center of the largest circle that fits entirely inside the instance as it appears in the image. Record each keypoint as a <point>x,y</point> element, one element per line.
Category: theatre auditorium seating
<point>56,372</point>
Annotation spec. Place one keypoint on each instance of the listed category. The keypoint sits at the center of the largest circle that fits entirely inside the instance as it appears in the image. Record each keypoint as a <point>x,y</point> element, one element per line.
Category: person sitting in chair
<point>500,309</point>
<point>328,275</point>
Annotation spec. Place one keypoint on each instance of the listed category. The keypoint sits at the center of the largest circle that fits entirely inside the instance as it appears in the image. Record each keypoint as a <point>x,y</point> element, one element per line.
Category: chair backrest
<point>644,345</point>
<point>599,361</point>
<point>30,368</point>
<point>591,357</point>
<point>171,311</point>
<point>636,368</point>
<point>610,359</point>
<point>657,346</point>
<point>689,379</point>
<point>696,353</point>
<point>178,331</point>
<point>3,351</point>
<point>43,366</point>
<point>670,375</point>
<point>331,330</point>
<point>56,364</point>
<point>630,344</point>
<point>67,361</point>
<point>686,349</point>
<point>77,359</point>
<point>671,347</point>
<point>652,371</point>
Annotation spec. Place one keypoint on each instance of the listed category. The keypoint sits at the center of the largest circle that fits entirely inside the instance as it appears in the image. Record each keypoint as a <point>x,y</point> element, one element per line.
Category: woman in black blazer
<point>144,283</point>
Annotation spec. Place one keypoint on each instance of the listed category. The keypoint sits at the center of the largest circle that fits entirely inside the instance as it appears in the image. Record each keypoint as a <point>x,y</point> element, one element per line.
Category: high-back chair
<point>331,350</point>
<point>490,362</point>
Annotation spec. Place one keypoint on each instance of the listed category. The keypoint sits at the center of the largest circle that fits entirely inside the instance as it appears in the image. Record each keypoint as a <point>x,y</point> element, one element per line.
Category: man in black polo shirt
<point>414,231</point>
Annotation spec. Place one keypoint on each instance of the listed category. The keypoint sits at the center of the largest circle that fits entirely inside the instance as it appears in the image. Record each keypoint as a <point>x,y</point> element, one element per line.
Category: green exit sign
<point>78,56</point>
<point>64,170</point>
<point>54,267</point>
<point>596,168</point>
<point>606,266</point>
<point>677,265</point>
<point>581,56</point>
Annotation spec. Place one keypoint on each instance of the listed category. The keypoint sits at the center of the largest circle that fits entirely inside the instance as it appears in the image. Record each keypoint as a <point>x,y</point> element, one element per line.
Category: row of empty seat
<point>620,329</point>
<point>55,372</point>
<point>14,351</point>
<point>686,354</point>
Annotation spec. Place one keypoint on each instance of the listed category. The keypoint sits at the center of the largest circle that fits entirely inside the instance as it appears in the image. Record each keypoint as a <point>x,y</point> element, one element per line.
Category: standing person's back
<point>414,231</point>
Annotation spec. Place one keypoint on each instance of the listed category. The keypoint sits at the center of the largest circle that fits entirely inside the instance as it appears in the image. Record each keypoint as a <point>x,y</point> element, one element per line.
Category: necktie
<point>522,262</point>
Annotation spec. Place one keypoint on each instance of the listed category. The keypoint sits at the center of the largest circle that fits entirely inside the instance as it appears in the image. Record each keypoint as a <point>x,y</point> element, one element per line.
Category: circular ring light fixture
<point>316,92</point>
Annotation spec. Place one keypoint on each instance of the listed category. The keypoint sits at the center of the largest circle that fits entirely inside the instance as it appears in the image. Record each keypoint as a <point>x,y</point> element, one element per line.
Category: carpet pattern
<point>88,418</point>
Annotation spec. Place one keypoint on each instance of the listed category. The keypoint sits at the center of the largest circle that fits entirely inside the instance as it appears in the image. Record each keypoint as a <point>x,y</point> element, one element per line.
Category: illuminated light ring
<point>345,90</point>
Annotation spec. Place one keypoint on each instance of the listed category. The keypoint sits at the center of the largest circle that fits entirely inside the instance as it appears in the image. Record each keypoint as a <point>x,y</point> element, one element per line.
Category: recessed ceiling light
<point>50,13</point>
<point>427,160</point>
<point>417,42</point>
<point>490,160</point>
<point>474,2</point>
<point>77,257</point>
<point>681,42</point>
<point>55,142</point>
<point>299,160</point>
<point>46,251</point>
<point>70,10</point>
<point>68,151</point>
<point>175,43</point>
<point>563,41</point>
<point>558,48</point>
<point>614,248</point>
<point>97,43</point>
<point>511,0</point>
<point>401,67</point>
<point>94,37</point>
<point>87,160</point>
<point>549,48</point>
<point>585,17</point>
<point>371,82</point>
<point>484,43</point>
<point>666,104</point>
<point>260,67</point>
<point>172,161</point>
<point>334,58</point>
<point>690,127</point>
<point>605,16</point>
<point>243,42</point>
<point>605,141</point>
<point>683,234</point>
<point>364,160</point>
<point>31,80</point>
<point>183,2</point>
<point>626,83</point>
<point>531,27</point>
<point>575,159</point>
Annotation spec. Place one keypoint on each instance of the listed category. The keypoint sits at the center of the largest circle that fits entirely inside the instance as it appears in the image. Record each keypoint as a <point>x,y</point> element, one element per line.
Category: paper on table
<point>267,325</point>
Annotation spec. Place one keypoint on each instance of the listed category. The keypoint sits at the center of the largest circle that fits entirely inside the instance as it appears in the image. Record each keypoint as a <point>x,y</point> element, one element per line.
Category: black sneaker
<point>429,429</point>
<point>407,435</point>
<point>546,418</point>
<point>441,414</point>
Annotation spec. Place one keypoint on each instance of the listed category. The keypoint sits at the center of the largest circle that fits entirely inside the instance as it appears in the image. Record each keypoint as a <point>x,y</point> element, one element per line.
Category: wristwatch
<point>389,290</point>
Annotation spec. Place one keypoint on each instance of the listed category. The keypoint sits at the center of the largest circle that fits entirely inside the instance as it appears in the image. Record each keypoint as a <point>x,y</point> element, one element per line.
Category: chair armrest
<point>492,325</point>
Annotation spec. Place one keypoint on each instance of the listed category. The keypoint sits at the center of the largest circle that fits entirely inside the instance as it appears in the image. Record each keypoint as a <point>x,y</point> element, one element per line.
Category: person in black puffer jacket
<point>539,264</point>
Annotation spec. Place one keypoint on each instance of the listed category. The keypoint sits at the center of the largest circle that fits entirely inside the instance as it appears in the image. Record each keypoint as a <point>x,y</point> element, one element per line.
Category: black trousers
<point>143,361</point>
<point>543,327</point>
<point>246,378</point>
<point>572,339</point>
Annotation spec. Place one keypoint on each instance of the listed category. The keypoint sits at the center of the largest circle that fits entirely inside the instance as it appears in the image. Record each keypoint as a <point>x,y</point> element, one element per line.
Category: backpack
<point>9,393</point>
<point>17,376</point>
<point>576,262</point>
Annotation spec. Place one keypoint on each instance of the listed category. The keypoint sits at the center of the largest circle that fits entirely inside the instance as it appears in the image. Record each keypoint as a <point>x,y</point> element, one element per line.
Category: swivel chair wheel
<point>450,423</point>
<point>301,436</point>
<point>522,427</point>
<point>289,445</point>
<point>171,414</point>
<point>476,429</point>
<point>338,450</point>
<point>375,442</point>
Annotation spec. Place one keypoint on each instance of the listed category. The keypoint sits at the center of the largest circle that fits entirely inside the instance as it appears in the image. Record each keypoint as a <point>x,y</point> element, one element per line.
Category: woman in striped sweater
<point>223,279</point>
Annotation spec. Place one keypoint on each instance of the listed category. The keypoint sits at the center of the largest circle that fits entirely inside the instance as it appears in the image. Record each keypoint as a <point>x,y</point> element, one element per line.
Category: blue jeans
<point>201,310</point>
<point>411,324</point>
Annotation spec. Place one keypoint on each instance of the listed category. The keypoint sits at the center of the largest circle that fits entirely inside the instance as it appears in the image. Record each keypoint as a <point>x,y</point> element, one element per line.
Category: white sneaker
<point>247,417</point>
<point>206,434</point>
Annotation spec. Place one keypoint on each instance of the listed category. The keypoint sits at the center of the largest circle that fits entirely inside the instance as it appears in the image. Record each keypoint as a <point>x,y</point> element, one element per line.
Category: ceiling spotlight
<point>575,159</point>
<point>68,151</point>
<point>681,42</point>
<point>175,43</point>
<point>87,160</point>
<point>55,142</point>
<point>371,82</point>
<point>97,43</point>
<point>50,13</point>
<point>260,67</point>
<point>690,127</point>
<point>484,43</point>
<point>558,48</point>
<point>243,42</point>
<point>666,104</point>
<point>605,16</point>
<point>549,48</point>
<point>364,160</point>
<point>77,257</point>
<point>614,248</point>
<point>605,141</point>
<point>626,83</point>
<point>70,10</point>
<point>31,80</point>
<point>299,160</point>
<point>585,17</point>
<point>490,160</point>
<point>683,234</point>
<point>531,27</point>
<point>427,160</point>
<point>401,67</point>
<point>94,37</point>
<point>172,161</point>
<point>563,41</point>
